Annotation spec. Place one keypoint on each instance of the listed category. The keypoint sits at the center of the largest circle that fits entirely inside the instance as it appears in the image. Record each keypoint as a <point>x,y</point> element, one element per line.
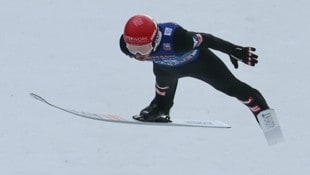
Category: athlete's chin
<point>142,57</point>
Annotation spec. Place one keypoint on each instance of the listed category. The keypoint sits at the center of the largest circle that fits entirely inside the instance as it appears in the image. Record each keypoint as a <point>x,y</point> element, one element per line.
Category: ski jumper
<point>183,53</point>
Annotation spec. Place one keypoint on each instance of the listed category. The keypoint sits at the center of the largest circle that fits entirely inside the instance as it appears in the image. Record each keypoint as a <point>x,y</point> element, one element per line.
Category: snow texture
<point>67,51</point>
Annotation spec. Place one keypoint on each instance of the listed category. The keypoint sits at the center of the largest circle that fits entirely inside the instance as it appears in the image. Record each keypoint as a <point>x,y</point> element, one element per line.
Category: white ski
<point>119,119</point>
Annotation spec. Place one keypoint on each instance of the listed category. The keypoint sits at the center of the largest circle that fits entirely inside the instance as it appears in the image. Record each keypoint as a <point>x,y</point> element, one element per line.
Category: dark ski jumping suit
<point>183,53</point>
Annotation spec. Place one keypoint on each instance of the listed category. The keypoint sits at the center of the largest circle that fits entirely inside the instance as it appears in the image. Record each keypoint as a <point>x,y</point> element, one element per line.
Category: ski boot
<point>152,113</point>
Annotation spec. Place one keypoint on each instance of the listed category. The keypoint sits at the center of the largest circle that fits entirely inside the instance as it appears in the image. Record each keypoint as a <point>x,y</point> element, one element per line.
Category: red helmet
<point>140,30</point>
<point>139,34</point>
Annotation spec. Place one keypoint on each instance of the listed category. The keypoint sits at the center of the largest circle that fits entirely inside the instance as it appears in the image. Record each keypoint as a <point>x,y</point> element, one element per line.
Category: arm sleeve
<point>185,41</point>
<point>216,43</point>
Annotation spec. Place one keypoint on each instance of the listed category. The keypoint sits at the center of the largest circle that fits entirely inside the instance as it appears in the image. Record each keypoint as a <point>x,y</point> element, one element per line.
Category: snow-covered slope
<point>68,51</point>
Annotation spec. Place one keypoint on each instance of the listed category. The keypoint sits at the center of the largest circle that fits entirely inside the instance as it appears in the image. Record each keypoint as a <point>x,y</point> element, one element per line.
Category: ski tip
<point>37,97</point>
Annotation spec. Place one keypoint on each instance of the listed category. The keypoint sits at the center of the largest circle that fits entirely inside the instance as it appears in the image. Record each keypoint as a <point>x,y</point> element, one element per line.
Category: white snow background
<point>68,52</point>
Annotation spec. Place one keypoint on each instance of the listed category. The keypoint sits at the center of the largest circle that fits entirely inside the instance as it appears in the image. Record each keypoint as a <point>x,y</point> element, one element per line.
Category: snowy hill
<point>68,51</point>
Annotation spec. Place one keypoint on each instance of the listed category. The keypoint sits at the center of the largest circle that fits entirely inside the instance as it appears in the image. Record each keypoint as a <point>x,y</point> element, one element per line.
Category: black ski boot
<point>153,114</point>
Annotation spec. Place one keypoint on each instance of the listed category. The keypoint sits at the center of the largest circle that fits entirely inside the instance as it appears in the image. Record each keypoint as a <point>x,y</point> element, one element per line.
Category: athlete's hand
<point>244,54</point>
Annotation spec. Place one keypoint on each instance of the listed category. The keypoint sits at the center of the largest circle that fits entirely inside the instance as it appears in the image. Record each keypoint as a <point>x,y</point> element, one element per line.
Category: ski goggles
<point>145,49</point>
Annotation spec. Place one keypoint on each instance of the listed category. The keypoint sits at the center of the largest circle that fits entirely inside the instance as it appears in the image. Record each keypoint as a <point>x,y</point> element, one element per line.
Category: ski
<point>119,119</point>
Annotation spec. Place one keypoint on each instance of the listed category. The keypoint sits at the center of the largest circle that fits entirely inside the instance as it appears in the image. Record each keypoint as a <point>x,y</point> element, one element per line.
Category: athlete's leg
<point>212,70</point>
<point>165,87</point>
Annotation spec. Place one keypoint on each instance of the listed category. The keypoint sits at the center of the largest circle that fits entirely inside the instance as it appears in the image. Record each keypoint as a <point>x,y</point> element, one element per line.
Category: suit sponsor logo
<point>168,31</point>
<point>166,46</point>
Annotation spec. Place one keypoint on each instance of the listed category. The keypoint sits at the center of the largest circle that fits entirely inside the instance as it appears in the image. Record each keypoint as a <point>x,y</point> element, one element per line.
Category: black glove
<point>244,54</point>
